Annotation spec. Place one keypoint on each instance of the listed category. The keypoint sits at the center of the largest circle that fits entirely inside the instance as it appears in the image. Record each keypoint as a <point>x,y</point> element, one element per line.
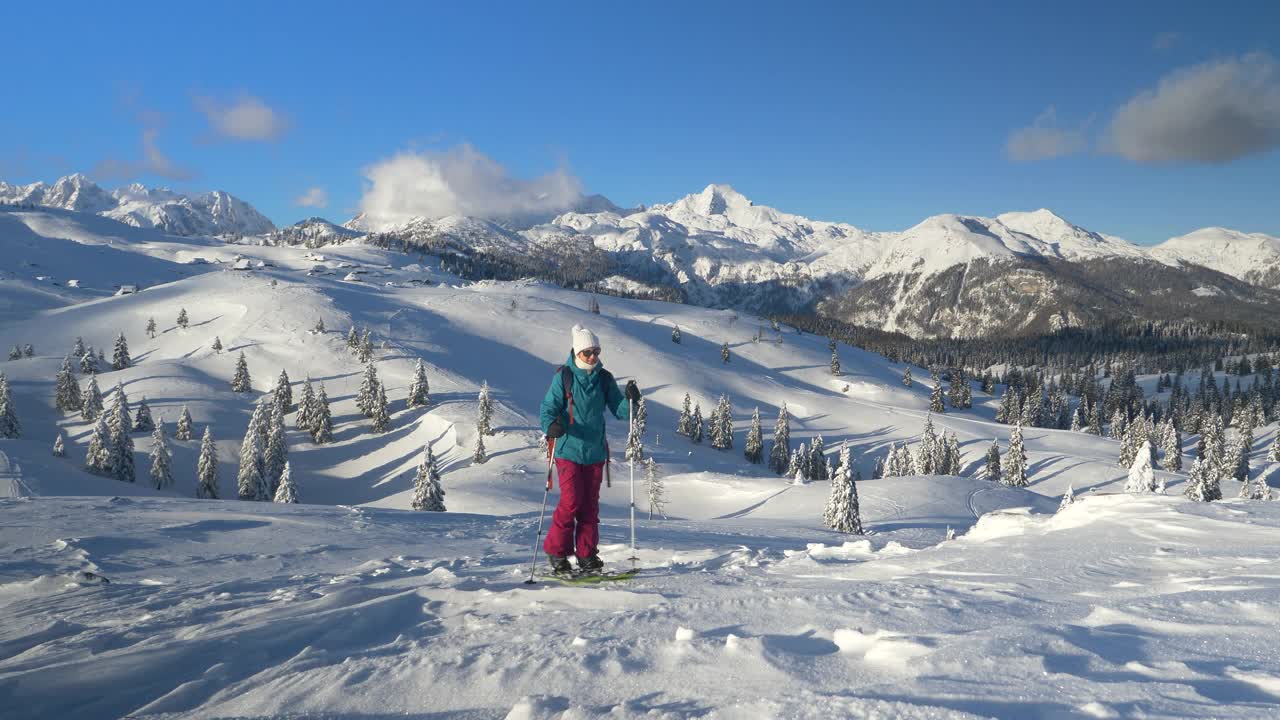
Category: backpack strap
<point>566,384</point>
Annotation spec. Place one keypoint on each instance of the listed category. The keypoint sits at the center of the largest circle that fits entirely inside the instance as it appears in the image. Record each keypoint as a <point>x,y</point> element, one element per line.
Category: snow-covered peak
<point>1058,237</point>
<point>1249,256</point>
<point>72,192</point>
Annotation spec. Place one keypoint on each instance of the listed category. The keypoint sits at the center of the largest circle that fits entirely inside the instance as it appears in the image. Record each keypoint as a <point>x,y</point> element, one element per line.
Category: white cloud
<point>315,197</point>
<point>1211,113</point>
<point>153,162</point>
<point>459,181</point>
<point>1043,139</point>
<point>247,118</point>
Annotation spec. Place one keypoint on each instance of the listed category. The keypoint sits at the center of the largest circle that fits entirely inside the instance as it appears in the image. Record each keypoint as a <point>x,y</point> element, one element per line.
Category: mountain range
<point>949,275</point>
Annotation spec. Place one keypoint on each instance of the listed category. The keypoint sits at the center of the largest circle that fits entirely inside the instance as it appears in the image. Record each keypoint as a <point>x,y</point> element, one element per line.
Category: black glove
<point>555,430</point>
<point>632,392</point>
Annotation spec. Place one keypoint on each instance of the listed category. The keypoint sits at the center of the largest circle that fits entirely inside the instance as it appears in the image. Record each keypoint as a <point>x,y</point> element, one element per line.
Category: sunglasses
<point>591,352</point>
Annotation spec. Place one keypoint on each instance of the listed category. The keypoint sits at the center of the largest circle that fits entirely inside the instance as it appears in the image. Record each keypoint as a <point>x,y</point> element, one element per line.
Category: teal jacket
<point>583,441</point>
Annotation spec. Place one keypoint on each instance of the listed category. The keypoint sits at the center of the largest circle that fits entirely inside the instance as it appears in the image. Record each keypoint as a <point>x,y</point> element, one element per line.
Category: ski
<point>590,578</point>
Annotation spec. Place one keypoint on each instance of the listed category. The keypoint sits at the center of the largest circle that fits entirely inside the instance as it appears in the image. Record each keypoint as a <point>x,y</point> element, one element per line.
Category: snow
<point>1241,255</point>
<point>354,606</point>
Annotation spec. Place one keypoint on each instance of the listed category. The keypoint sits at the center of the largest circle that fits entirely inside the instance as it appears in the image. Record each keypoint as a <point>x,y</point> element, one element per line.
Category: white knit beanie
<point>583,339</point>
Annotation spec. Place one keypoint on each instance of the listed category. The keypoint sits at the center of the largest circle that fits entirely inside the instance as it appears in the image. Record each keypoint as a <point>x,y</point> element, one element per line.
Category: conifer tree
<point>142,420</point>
<point>365,354</point>
<point>722,433</point>
<point>207,468</point>
<point>797,469</point>
<point>935,398</point>
<point>183,431</point>
<point>120,357</point>
<point>655,489</point>
<point>1273,455</point>
<point>89,363</point>
<point>276,454</point>
<point>428,494</point>
<point>97,456</point>
<point>1118,424</point>
<point>182,318</point>
<point>120,461</point>
<point>696,426</point>
<point>367,395</point>
<point>927,454</point>
<point>843,513</point>
<point>1068,498</point>
<point>151,328</point>
<point>818,461</point>
<point>906,377</point>
<point>419,390</point>
<point>286,490</point>
<point>1015,460</point>
<point>66,393</point>
<point>1172,442</point>
<point>1141,476</point>
<point>1197,481</point>
<point>724,353</point>
<point>306,407</point>
<point>992,469</point>
<point>381,410</point>
<point>78,350</point>
<point>780,452</point>
<point>1075,420</point>
<point>484,413</point>
<point>951,454</point>
<point>479,456</point>
<point>1236,463</point>
<point>251,481</point>
<point>877,469</point>
<point>353,339</point>
<point>59,447</point>
<point>319,327</point>
<point>321,419</point>
<point>283,395</point>
<point>161,460</point>
<point>684,426</point>
<point>675,335</point>
<point>217,344</point>
<point>754,448</point>
<point>835,363</point>
<point>241,382</point>
<point>10,427</point>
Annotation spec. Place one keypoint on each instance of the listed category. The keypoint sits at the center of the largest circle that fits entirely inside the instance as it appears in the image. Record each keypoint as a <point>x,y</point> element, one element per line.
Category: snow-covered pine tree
<point>319,327</point>
<point>685,422</point>
<point>780,452</point>
<point>713,426</point>
<point>1236,462</point>
<point>1118,423</point>
<point>367,395</point>
<point>991,471</point>
<point>723,424</point>
<point>1015,460</point>
<point>419,389</point>
<point>754,448</point>
<point>655,489</point>
<point>120,356</point>
<point>1171,440</point>
<point>724,353</point>
<point>59,446</point>
<point>142,420</point>
<point>97,456</point>
<point>286,490</point>
<point>241,382</point>
<point>877,468</point>
<point>77,349</point>
<point>428,494</point>
<point>10,427</point>
<point>927,455</point>
<point>906,377</point>
<point>818,461</point>
<point>381,410</point>
<point>207,468</point>
<point>217,344</point>
<point>306,406</point>
<point>935,397</point>
<point>1068,498</point>
<point>799,467</point>
<point>161,459</point>
<point>951,454</point>
<point>321,419</point>
<point>251,481</point>
<point>843,513</point>
<point>283,395</point>
<point>675,334</point>
<point>1258,489</point>
<point>183,431</point>
<point>89,363</point>
<point>182,318</point>
<point>1142,478</point>
<point>1197,481</point>
<point>484,413</point>
<point>353,339</point>
<point>835,363</point>
<point>66,393</point>
<point>1075,420</point>
<point>479,456</point>
<point>120,450</point>
<point>276,454</point>
<point>1128,445</point>
<point>1273,455</point>
<point>696,426</point>
<point>365,352</point>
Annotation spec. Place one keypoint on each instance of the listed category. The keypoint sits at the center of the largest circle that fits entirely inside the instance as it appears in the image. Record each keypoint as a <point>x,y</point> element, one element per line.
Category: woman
<point>573,420</point>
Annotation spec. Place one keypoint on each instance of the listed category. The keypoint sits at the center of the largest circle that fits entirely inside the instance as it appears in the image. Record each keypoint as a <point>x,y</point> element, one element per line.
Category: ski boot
<point>560,564</point>
<point>591,564</point>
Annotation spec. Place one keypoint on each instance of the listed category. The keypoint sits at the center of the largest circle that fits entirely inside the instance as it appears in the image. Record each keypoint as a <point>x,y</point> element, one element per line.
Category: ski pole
<point>546,490</point>
<point>631,417</point>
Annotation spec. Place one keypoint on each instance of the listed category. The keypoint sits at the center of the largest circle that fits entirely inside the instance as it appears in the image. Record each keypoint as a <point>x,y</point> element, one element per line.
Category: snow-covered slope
<point>1252,257</point>
<point>352,607</point>
<point>211,213</point>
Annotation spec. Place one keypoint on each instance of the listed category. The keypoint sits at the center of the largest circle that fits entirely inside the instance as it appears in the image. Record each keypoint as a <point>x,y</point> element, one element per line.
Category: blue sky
<point>858,112</point>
